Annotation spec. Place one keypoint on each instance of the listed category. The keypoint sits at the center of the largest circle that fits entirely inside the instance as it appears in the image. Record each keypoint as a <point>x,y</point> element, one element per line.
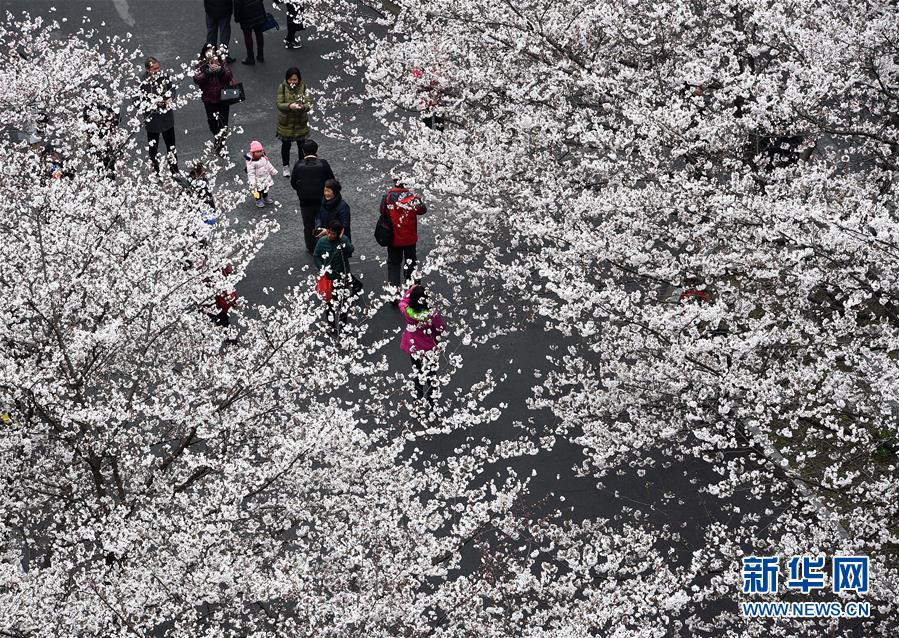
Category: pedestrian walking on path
<point>423,327</point>
<point>402,207</point>
<point>259,174</point>
<point>294,25</point>
<point>212,74</point>
<point>157,98</point>
<point>218,23</point>
<point>308,180</point>
<point>293,115</point>
<point>336,285</point>
<point>250,14</point>
<point>333,208</point>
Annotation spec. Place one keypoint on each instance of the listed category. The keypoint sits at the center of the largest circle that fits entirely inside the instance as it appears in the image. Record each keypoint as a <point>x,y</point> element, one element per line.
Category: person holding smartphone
<point>293,115</point>
<point>211,74</point>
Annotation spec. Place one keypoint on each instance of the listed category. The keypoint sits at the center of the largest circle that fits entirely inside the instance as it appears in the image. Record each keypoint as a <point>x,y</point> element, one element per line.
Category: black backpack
<point>384,230</point>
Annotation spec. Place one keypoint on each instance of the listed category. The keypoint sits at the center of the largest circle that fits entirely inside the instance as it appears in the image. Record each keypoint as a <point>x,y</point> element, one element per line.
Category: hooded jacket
<point>403,207</point>
<point>260,173</point>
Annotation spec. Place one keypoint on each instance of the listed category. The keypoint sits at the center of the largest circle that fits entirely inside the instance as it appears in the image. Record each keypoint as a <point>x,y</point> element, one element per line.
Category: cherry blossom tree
<point>166,475</point>
<point>701,197</point>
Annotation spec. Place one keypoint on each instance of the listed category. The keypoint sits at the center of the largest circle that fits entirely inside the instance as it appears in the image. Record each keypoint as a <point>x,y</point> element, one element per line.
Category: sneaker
<point>249,61</point>
<point>269,200</point>
<point>260,203</point>
<point>260,59</point>
<point>292,44</point>
<point>286,171</point>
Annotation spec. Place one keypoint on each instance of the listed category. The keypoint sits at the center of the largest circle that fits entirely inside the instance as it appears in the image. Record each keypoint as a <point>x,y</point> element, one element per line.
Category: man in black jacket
<point>308,180</point>
<point>218,22</point>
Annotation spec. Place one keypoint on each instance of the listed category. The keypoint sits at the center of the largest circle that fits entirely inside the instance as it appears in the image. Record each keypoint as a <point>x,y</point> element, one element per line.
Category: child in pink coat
<point>259,174</point>
<point>423,327</point>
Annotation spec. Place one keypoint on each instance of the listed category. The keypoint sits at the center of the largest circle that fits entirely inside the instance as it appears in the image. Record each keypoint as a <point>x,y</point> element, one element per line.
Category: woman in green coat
<point>293,115</point>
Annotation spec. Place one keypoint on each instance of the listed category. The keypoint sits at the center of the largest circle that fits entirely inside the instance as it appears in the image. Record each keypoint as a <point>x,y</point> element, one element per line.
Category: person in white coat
<point>259,174</point>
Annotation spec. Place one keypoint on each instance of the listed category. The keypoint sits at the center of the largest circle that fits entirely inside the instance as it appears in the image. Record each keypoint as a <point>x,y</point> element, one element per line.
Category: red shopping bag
<point>324,287</point>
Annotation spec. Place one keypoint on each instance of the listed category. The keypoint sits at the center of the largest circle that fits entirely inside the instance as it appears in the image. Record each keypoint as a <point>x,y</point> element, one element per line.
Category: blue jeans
<point>218,30</point>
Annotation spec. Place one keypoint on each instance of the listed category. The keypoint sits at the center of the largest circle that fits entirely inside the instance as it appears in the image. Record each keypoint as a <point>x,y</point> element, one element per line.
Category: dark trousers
<point>217,118</point>
<point>285,151</point>
<point>221,318</point>
<point>218,30</point>
<point>153,147</point>
<point>341,299</point>
<point>294,24</point>
<point>248,42</point>
<point>400,259</point>
<point>309,214</point>
<point>423,375</point>
<point>433,122</point>
<point>292,30</point>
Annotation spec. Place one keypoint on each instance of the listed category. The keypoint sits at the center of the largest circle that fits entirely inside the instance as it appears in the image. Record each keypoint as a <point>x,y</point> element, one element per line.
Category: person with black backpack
<point>397,230</point>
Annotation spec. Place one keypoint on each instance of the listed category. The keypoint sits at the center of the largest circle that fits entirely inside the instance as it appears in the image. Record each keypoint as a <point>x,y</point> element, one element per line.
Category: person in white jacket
<point>259,174</point>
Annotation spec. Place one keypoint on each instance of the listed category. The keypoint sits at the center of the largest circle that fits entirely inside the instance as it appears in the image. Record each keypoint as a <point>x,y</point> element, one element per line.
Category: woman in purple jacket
<point>423,327</point>
<point>212,73</point>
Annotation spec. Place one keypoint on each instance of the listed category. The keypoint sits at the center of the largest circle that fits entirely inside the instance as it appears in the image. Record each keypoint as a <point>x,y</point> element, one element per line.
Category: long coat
<point>249,13</point>
<point>293,124</point>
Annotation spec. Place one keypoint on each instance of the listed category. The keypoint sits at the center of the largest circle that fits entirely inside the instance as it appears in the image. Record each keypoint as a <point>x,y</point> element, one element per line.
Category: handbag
<point>232,94</point>
<point>384,231</point>
<point>270,23</point>
<point>324,287</point>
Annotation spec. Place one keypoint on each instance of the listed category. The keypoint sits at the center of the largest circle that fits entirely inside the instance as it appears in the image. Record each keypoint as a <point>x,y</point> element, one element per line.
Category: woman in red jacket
<point>403,207</point>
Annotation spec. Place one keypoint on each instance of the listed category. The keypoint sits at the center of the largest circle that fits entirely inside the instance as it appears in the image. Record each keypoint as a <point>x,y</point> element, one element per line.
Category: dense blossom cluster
<point>702,197</point>
<point>164,474</point>
<point>697,198</point>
